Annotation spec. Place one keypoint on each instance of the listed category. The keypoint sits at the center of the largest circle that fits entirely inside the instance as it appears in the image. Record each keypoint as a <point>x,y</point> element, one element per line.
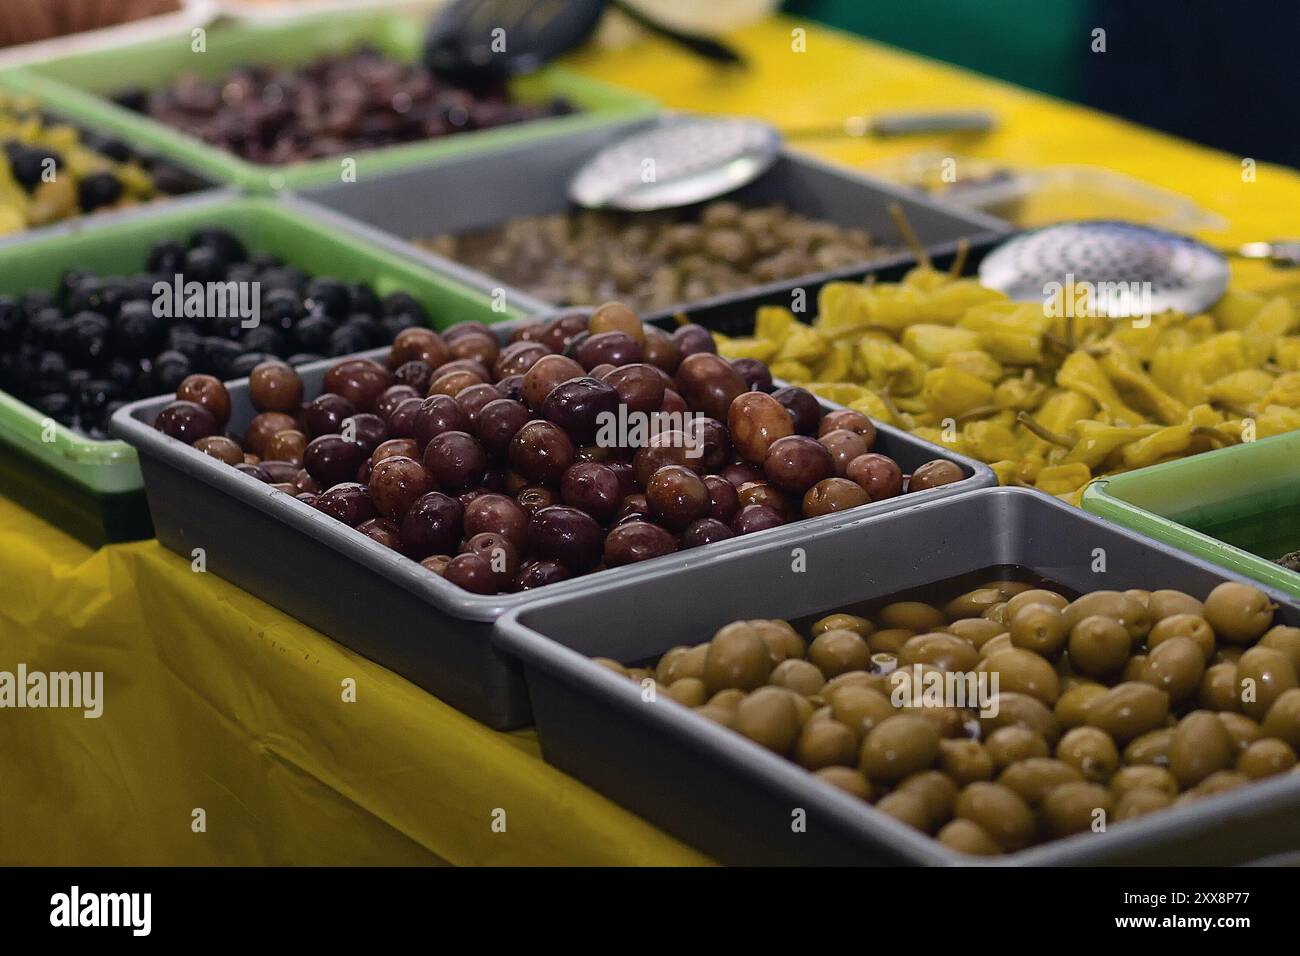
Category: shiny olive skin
<point>636,541</point>
<point>541,451</point>
<point>879,476</point>
<point>210,392</point>
<point>932,474</point>
<point>395,483</point>
<point>431,525</point>
<point>899,746</point>
<point>795,463</point>
<point>805,411</point>
<point>273,387</point>
<point>755,420</point>
<point>833,495</point>
<point>677,497</point>
<point>579,406</point>
<point>567,535</point>
<point>709,384</point>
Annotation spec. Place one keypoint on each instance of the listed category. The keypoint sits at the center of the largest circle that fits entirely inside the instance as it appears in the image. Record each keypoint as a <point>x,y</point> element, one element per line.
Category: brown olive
<point>1033,778</point>
<point>847,779</point>
<point>1175,666</point>
<point>677,497</point>
<point>966,836</point>
<point>1076,807</point>
<point>879,476</point>
<point>1266,757</point>
<point>210,392</point>
<point>835,652</point>
<point>1009,745</point>
<point>933,474</point>
<point>844,446</point>
<point>966,761</point>
<point>1283,719</point>
<point>707,382</point>
<point>275,387</point>
<point>998,811</point>
<point>1090,751</point>
<point>755,420</point>
<point>1200,747</point>
<point>1039,628</point>
<point>825,743</point>
<point>795,463</point>
<point>737,657</point>
<point>899,746</point>
<point>221,448</point>
<point>1128,710</point>
<point>1263,675</point>
<point>288,445</point>
<point>833,495</point>
<point>546,373</point>
<point>943,651</point>
<point>1238,612</point>
<point>1022,672</point>
<point>616,317</point>
<point>1150,748</point>
<point>769,718</point>
<point>1071,708</point>
<point>1165,603</point>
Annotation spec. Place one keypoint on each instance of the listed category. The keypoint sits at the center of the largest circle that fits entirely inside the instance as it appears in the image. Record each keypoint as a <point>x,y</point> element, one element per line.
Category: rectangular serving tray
<point>735,800</point>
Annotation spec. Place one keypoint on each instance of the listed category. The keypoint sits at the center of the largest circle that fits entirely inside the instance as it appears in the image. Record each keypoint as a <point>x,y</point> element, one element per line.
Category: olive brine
<point>491,464</point>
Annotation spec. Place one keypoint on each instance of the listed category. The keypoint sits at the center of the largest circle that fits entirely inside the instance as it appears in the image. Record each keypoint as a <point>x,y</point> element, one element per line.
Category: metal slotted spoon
<point>1179,272</point>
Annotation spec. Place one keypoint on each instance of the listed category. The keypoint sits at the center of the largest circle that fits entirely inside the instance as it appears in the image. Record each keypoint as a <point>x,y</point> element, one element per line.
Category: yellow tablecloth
<point>215,702</point>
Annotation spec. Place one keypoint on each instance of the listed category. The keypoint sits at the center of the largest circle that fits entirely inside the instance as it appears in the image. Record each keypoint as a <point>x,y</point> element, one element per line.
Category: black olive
<point>98,190</point>
<point>328,297</point>
<point>170,368</point>
<point>218,355</point>
<point>137,330</point>
<point>166,258</point>
<point>392,325</point>
<point>12,321</point>
<point>243,366</point>
<point>312,334</point>
<point>225,244</point>
<point>59,406</point>
<point>203,264</point>
<point>281,309</point>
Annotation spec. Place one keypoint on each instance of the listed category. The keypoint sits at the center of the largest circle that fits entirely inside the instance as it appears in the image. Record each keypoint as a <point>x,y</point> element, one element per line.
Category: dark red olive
<point>677,497</point>
<point>416,375</point>
<point>331,459</point>
<point>392,398</point>
<point>796,463</point>
<point>438,414</point>
<point>498,423</point>
<point>581,406</point>
<point>548,372</point>
<point>851,420</point>
<point>468,327</point>
<point>360,381</point>
<point>395,483</point>
<point>879,476</point>
<point>254,471</point>
<point>481,347</point>
<point>592,487</point>
<point>634,506</point>
<point>456,461</point>
<point>401,424</point>
<point>693,339</point>
<point>432,525</point>
<point>741,473</point>
<point>518,357</point>
<point>473,573</point>
<point>325,414</point>
<point>933,474</point>
<point>473,399</point>
<point>366,429</point>
<point>419,344</point>
<point>512,386</point>
<point>723,500</point>
<point>635,541</point>
<point>538,574</point>
<point>382,530</point>
<point>805,411</point>
<point>666,448</point>
<point>626,477</point>
<point>614,348</point>
<point>497,514</point>
<point>753,518</point>
<point>541,451</point>
<point>533,498</point>
<point>562,329</point>
<point>210,392</point>
<point>661,351</point>
<point>709,384</point>
<point>186,421</point>
<point>705,531</point>
<point>280,472</point>
<point>711,445</point>
<point>567,535</point>
<point>639,386</point>
<point>348,502</point>
<point>498,551</point>
<point>755,373</point>
<point>308,498</point>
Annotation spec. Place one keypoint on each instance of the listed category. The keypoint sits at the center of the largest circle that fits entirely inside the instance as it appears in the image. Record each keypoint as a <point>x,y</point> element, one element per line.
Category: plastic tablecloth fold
<point>225,737</point>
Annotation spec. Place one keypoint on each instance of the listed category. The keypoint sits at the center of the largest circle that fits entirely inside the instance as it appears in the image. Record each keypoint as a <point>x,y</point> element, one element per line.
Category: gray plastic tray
<point>733,799</point>
<point>469,193</point>
<point>380,603</point>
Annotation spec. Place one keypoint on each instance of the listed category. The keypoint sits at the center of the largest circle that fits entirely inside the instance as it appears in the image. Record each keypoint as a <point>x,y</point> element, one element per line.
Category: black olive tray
<point>735,800</point>
<point>372,599</point>
<point>464,194</point>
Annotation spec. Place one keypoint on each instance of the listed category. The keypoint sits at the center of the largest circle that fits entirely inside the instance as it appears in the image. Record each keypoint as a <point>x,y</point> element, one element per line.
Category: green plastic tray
<point>1238,507</point>
<point>80,477</point>
<point>79,86</point>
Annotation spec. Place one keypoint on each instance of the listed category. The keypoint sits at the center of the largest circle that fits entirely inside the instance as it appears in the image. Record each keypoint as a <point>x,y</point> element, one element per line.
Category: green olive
<point>1201,746</point>
<point>1163,604</point>
<point>1099,645</point>
<point>1002,642</point>
<point>728,699</point>
<point>1023,672</point>
<point>689,691</point>
<point>783,641</point>
<point>1241,729</point>
<point>690,664</point>
<point>1143,777</point>
<point>1285,639</point>
<point>1009,708</point>
<point>912,615</point>
<point>1039,628</point>
<point>899,746</point>
<point>889,641</point>
<point>1220,782</point>
<point>719,715</point>
<point>825,743</point>
<point>1183,625</point>
<point>1112,604</point>
<point>737,657</point>
<point>1150,748</point>
<point>1263,674</point>
<point>1035,596</point>
<point>1266,757</point>
<point>973,603</point>
<point>1076,807</point>
<point>846,779</point>
<point>844,622</point>
<point>996,612</point>
<point>1175,667</point>
<point>673,657</point>
<point>1238,612</point>
<point>838,652</point>
<point>999,812</point>
<point>966,836</point>
<point>1009,745</point>
<point>943,651</point>
<point>1071,708</point>
<point>1090,751</point>
<point>936,790</point>
<point>1140,595</point>
<point>802,677</point>
<point>859,708</point>
<point>966,761</point>
<point>977,630</point>
<point>1283,719</point>
<point>907,808</point>
<point>1034,778</point>
<point>1141,801</point>
<point>611,665</point>
<point>1134,669</point>
<point>1129,710</point>
<point>1219,688</point>
<point>854,678</point>
<point>768,717</point>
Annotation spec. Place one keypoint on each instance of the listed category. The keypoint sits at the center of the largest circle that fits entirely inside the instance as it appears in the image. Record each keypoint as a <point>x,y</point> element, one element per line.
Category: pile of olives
<point>1108,707</point>
<point>81,351</point>
<point>490,465</point>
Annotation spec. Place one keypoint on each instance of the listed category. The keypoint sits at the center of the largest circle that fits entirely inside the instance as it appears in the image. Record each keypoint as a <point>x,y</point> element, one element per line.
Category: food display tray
<point>735,800</point>
<point>463,194</point>
<point>93,489</point>
<point>1237,506</point>
<point>378,602</point>
<point>80,86</point>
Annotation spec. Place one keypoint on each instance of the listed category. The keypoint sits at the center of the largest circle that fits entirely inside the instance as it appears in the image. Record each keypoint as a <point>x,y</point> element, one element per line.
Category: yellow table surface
<point>214,701</point>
